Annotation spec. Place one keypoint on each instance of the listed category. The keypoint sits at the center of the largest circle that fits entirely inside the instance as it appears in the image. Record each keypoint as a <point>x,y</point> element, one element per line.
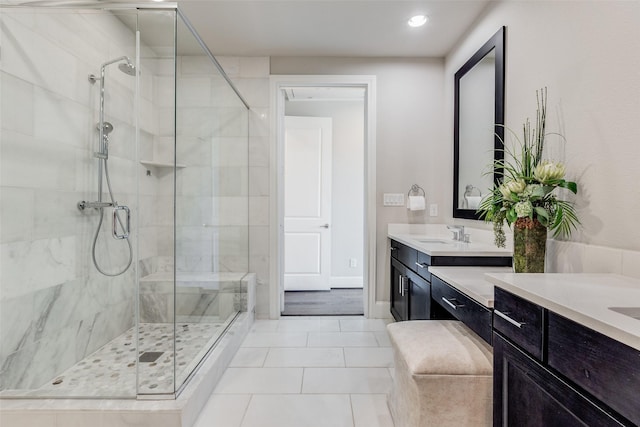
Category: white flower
<point>516,186</point>
<point>548,171</point>
<point>523,209</point>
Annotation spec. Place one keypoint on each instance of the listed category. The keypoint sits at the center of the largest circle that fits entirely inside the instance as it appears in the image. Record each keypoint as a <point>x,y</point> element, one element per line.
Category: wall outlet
<point>353,263</point>
<point>433,209</point>
<point>393,199</point>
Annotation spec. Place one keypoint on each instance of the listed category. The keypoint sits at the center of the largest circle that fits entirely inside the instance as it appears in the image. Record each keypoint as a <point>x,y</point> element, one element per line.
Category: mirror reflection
<point>479,114</point>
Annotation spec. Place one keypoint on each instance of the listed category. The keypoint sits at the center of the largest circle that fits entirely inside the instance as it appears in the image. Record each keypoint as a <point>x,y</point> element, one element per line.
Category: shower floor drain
<point>150,356</point>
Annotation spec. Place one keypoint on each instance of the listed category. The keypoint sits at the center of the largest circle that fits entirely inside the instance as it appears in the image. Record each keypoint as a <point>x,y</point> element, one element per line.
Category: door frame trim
<point>276,187</point>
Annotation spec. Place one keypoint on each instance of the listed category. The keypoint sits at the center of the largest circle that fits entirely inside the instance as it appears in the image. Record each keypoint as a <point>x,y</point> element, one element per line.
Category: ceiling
<point>365,28</point>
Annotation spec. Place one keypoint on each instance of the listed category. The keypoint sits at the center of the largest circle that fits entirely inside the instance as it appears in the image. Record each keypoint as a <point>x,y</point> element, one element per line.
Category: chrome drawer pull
<point>422,265</point>
<point>508,319</point>
<point>452,305</point>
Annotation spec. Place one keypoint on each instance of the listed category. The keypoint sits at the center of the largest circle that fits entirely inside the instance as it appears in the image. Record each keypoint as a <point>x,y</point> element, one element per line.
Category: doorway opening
<point>323,200</point>
<point>325,187</point>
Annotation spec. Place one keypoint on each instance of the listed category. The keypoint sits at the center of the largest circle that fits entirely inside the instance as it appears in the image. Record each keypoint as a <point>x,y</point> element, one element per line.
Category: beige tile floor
<point>306,372</point>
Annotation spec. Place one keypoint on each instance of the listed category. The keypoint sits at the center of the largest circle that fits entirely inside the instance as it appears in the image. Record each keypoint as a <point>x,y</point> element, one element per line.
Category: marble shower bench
<point>200,295</point>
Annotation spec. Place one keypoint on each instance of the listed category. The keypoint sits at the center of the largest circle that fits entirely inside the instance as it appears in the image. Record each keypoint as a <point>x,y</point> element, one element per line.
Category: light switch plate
<point>433,209</point>
<point>393,199</point>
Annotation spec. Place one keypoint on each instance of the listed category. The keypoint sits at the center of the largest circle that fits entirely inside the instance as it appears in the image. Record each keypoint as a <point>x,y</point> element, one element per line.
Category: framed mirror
<point>478,125</point>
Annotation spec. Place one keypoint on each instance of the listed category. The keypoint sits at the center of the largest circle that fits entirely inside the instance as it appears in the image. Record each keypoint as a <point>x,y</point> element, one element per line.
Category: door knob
<point>324,226</point>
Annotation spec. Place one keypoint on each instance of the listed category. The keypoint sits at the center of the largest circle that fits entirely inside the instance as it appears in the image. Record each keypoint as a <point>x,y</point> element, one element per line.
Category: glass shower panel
<point>211,202</point>
<point>67,287</point>
<point>156,329</point>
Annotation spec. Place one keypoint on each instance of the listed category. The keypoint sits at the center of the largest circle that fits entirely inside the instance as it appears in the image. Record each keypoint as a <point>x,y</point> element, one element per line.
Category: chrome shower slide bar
<point>82,205</point>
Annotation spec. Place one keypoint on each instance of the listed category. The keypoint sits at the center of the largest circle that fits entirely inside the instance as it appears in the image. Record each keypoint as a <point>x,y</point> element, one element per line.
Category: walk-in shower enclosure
<point>126,100</point>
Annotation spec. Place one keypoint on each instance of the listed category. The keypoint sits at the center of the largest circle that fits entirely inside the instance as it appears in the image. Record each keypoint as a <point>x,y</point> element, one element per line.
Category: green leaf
<point>542,213</point>
<point>539,191</point>
<point>511,215</point>
<point>569,185</point>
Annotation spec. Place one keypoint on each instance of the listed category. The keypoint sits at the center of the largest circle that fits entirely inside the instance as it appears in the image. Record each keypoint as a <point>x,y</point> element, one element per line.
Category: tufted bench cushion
<point>443,375</point>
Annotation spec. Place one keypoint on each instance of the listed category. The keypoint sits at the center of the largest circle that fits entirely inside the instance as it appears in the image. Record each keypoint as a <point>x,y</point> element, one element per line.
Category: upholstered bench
<point>443,375</point>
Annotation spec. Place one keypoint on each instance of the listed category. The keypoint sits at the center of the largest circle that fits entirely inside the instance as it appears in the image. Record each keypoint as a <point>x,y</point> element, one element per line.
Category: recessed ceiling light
<point>417,21</point>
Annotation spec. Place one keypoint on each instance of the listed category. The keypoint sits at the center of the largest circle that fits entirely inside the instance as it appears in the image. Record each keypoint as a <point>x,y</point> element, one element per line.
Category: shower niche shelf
<point>155,164</point>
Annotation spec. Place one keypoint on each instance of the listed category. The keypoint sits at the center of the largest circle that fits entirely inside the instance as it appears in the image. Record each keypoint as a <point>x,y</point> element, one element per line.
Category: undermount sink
<point>440,241</point>
<point>633,312</point>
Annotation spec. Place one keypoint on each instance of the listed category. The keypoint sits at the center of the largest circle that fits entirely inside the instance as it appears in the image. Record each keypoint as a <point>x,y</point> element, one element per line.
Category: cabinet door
<point>399,295</point>
<point>525,394</point>
<point>419,297</point>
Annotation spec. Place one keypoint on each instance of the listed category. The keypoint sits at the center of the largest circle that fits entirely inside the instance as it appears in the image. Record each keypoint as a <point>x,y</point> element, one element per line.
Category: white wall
<point>347,193</point>
<point>588,55</point>
<point>410,144</point>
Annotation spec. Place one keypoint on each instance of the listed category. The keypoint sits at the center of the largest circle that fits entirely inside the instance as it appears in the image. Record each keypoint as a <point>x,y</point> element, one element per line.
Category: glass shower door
<point>211,202</point>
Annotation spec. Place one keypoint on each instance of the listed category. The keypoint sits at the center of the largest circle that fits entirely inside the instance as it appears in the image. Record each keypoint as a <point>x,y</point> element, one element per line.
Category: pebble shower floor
<point>111,370</point>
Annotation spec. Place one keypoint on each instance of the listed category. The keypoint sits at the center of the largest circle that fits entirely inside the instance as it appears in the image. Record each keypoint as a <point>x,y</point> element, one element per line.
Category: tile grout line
<point>246,409</point>
<point>353,413</point>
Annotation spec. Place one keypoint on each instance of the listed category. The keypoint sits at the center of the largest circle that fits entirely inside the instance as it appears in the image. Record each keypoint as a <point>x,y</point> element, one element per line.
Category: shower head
<point>107,128</point>
<point>126,65</point>
<point>127,68</point>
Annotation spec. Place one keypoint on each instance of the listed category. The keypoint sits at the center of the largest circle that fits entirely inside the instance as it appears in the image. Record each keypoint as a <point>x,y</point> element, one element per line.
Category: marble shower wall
<point>251,77</point>
<point>211,189</point>
<point>54,307</point>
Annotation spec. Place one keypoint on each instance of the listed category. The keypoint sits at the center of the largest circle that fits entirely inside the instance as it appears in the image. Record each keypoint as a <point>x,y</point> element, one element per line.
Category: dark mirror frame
<point>497,42</point>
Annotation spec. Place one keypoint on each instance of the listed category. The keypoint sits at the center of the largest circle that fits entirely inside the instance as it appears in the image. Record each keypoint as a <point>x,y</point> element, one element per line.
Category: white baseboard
<point>346,282</point>
<point>380,310</point>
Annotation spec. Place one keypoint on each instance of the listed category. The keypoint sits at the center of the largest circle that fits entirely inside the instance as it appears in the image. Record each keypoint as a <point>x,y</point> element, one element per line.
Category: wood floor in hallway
<point>336,302</point>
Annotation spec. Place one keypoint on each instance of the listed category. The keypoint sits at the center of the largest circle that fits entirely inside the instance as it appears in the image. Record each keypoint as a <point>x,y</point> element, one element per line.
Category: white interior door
<point>307,203</point>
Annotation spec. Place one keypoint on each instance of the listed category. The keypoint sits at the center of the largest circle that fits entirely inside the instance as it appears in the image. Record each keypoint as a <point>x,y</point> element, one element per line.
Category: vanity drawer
<point>403,253</point>
<point>519,320</point>
<point>604,367</point>
<point>422,266</point>
<point>476,316</point>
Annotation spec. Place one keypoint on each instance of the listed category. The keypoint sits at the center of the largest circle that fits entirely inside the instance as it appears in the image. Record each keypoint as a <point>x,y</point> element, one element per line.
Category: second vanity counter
<point>597,301</point>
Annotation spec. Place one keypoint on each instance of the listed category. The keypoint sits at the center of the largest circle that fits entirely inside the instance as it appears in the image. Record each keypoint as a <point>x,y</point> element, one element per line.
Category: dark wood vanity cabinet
<point>476,316</point>
<point>399,295</point>
<point>542,373</point>
<point>527,394</point>
<point>410,285</point>
<point>411,288</point>
<point>419,297</point>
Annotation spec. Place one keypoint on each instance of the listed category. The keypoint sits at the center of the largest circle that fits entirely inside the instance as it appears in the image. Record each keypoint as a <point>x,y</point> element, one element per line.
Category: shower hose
<point>95,237</point>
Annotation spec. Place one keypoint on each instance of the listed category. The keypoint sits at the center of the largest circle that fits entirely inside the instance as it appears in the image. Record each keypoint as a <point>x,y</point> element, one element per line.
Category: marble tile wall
<point>212,233</point>
<point>251,77</point>
<point>212,191</point>
<point>54,307</point>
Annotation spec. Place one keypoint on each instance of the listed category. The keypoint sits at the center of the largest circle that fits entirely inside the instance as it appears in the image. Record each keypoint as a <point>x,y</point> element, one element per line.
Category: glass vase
<point>529,245</point>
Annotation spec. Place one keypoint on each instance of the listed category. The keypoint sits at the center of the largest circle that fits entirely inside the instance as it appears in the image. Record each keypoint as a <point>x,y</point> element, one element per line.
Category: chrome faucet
<point>458,232</point>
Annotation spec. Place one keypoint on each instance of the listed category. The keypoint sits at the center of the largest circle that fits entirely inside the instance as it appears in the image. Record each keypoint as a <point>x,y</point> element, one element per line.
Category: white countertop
<point>583,298</point>
<point>436,240</point>
<point>470,281</point>
<point>444,245</point>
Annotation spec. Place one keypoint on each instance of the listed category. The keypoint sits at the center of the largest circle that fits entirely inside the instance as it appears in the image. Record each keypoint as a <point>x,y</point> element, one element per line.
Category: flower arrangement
<point>526,191</point>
